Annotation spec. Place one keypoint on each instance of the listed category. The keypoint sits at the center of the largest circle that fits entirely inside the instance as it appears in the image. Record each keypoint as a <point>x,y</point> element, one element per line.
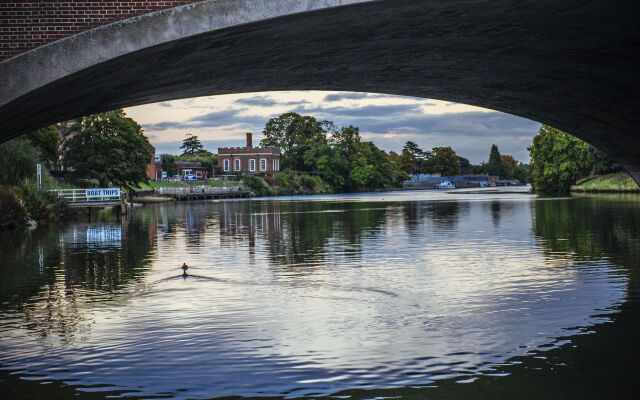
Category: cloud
<point>224,117</point>
<point>411,118</point>
<point>368,111</point>
<point>356,96</point>
<point>453,124</point>
<point>345,96</point>
<point>268,101</point>
<point>259,101</point>
<point>214,119</point>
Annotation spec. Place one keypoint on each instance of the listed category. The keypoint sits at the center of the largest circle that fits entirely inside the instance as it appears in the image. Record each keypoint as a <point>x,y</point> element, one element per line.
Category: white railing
<point>197,189</point>
<point>99,195</point>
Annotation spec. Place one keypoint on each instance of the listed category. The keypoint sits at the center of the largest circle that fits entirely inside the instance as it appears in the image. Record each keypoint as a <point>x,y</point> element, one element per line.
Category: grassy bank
<point>618,182</point>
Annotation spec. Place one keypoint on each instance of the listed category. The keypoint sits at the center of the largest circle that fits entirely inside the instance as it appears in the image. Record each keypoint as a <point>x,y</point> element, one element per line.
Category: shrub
<point>307,182</point>
<point>283,178</point>
<point>12,213</point>
<point>43,206</point>
<point>256,185</point>
<point>271,181</point>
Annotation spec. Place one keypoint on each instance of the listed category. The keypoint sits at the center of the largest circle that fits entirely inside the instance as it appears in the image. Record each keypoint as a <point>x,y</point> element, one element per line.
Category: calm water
<point>397,295</point>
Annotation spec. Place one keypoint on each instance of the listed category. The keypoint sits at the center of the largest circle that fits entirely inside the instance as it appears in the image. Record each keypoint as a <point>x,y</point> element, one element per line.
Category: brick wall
<point>25,25</point>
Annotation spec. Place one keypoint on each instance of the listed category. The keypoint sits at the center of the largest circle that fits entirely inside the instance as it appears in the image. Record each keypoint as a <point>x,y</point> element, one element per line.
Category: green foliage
<point>12,213</point>
<point>405,161</point>
<point>600,162</point>
<point>343,161</point>
<point>411,152</point>
<point>615,182</point>
<point>444,161</point>
<point>41,205</point>
<point>18,159</point>
<point>256,185</point>
<point>495,166</point>
<point>362,173</point>
<point>46,140</point>
<point>519,172</point>
<point>465,166</point>
<point>284,178</point>
<point>301,139</point>
<point>558,159</point>
<point>192,146</point>
<point>169,165</point>
<point>512,169</point>
<point>110,148</point>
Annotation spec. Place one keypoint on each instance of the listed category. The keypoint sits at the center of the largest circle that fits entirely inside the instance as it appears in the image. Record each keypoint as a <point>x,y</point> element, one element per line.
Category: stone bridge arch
<point>572,64</point>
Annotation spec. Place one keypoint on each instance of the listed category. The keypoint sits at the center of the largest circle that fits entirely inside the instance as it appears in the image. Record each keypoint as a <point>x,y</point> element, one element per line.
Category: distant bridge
<point>572,64</point>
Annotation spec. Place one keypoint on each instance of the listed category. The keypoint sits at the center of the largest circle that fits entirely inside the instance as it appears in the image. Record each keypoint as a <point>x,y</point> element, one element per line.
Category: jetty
<point>202,192</point>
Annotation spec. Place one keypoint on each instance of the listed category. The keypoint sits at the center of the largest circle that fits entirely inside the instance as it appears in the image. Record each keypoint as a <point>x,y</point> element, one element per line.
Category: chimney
<point>249,140</point>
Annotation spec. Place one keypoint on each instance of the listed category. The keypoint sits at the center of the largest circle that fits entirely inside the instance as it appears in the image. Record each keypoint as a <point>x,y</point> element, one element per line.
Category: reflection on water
<point>316,296</point>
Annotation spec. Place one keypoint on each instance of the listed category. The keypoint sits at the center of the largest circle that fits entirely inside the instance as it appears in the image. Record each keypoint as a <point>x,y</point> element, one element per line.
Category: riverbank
<point>617,182</point>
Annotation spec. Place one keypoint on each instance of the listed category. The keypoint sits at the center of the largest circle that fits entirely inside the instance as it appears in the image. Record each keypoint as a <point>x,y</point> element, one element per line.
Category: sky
<point>387,120</point>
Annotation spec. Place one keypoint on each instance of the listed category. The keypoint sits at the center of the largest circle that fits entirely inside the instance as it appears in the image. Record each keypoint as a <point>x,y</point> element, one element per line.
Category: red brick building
<point>249,159</point>
<point>154,168</point>
<point>192,168</point>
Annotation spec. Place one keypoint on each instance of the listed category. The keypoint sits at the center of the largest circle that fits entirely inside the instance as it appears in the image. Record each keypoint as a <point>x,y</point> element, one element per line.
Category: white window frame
<point>263,164</point>
<point>236,164</point>
<point>252,164</point>
<point>276,164</point>
<point>225,164</point>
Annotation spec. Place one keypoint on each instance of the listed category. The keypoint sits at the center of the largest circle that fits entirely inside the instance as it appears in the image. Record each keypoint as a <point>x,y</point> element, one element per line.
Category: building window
<point>263,164</point>
<point>236,165</point>
<point>252,165</point>
<point>276,164</point>
<point>226,165</point>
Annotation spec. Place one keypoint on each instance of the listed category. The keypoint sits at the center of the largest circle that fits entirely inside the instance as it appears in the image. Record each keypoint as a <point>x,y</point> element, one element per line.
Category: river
<point>413,294</point>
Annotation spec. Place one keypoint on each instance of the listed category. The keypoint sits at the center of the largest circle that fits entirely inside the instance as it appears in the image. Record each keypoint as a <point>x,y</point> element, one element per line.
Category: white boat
<point>445,185</point>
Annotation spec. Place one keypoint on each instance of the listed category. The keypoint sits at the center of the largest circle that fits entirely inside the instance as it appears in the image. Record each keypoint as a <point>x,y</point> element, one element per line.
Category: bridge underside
<point>571,64</point>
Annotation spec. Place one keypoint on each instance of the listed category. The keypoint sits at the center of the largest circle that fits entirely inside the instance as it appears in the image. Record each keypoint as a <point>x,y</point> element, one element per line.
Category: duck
<point>184,267</point>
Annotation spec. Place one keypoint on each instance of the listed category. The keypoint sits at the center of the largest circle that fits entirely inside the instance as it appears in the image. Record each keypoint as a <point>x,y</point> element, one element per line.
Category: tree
<point>296,135</point>
<point>444,161</point>
<point>18,158</point>
<point>520,172</point>
<point>412,150</point>
<point>557,159</point>
<point>109,147</point>
<point>405,161</point>
<point>169,165</point>
<point>494,166</point>
<point>192,146</point>
<point>46,140</point>
<point>601,163</point>
<point>465,166</point>
<point>408,162</point>
<point>513,169</point>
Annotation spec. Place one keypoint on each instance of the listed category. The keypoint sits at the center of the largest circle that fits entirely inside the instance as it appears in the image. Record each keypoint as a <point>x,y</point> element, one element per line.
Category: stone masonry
<point>25,25</point>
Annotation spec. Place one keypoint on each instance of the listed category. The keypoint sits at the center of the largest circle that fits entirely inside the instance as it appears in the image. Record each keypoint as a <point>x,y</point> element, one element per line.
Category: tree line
<point>445,161</point>
<point>559,159</point>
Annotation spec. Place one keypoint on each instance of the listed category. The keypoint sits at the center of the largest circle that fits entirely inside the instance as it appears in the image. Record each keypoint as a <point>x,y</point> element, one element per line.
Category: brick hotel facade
<point>249,159</point>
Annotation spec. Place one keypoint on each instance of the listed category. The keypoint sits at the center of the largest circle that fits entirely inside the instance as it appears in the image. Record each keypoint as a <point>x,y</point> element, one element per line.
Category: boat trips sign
<point>105,192</point>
